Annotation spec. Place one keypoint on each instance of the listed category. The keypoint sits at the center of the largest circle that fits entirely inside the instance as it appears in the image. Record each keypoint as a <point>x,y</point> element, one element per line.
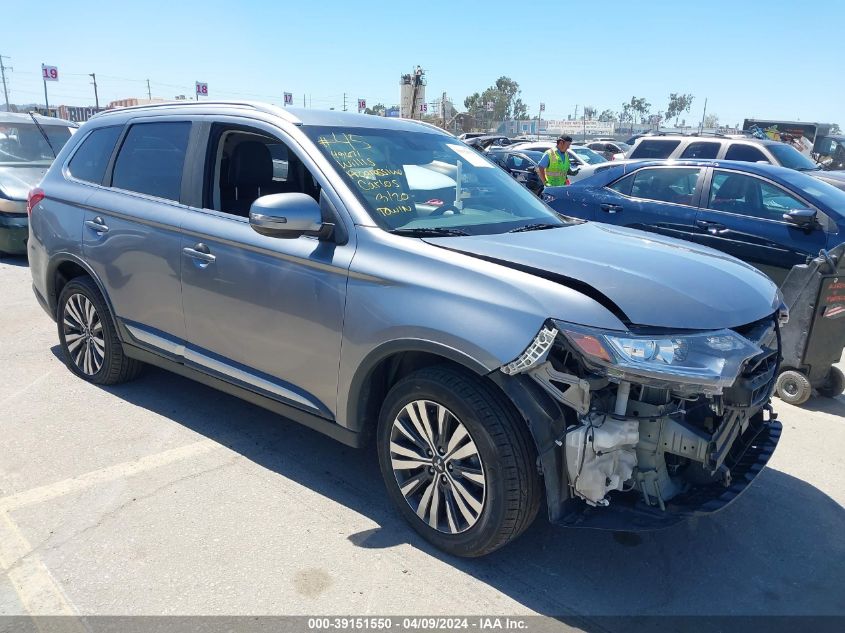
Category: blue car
<point>771,217</point>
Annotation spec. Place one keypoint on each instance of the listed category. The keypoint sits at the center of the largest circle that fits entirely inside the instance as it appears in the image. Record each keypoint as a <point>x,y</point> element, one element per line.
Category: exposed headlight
<point>710,359</point>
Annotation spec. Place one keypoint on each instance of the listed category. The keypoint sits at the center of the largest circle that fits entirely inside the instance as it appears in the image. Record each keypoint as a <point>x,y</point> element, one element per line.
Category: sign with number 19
<point>49,73</point>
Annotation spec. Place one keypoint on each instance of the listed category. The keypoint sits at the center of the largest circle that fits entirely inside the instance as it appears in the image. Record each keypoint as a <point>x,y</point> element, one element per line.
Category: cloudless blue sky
<point>749,58</point>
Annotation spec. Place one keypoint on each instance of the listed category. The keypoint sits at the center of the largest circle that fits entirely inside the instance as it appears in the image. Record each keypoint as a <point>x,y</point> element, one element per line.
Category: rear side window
<point>654,149</point>
<point>674,184</point>
<point>91,159</point>
<point>151,159</point>
<point>746,153</point>
<point>701,150</point>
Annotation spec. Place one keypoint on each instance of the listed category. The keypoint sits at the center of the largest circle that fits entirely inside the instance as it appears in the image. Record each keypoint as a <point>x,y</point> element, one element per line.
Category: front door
<point>742,215</point>
<point>263,312</point>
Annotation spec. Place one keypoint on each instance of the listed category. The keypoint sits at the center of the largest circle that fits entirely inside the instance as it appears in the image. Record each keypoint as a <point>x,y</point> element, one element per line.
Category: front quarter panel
<point>406,294</point>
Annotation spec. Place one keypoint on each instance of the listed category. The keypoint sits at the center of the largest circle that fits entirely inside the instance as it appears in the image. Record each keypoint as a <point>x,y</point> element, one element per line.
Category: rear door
<point>131,230</point>
<point>657,199</point>
<point>742,215</point>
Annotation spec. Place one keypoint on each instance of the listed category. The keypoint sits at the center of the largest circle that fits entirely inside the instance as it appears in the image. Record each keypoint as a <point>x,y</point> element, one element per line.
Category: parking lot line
<point>37,590</point>
<point>106,474</point>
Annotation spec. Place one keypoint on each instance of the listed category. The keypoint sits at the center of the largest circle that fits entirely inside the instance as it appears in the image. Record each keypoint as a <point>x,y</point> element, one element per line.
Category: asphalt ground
<point>166,497</point>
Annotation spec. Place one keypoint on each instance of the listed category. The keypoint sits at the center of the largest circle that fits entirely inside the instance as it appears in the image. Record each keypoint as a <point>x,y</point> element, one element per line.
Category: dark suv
<point>375,278</point>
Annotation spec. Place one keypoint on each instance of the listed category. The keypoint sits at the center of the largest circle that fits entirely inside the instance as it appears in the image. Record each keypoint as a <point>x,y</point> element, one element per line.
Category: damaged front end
<point>640,430</point>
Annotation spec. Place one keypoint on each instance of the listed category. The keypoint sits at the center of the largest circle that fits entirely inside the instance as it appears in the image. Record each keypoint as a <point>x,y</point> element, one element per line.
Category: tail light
<point>35,196</point>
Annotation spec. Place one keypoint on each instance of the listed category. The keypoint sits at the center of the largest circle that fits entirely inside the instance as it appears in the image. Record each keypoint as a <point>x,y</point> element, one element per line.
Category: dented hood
<point>17,180</point>
<point>646,279</point>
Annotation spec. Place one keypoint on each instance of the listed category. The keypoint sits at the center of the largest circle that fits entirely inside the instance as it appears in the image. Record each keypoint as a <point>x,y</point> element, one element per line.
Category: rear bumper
<point>14,231</point>
<point>628,512</point>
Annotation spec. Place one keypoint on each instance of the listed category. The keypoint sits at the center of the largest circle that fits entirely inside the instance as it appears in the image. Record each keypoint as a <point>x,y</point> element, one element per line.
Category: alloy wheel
<point>83,334</point>
<point>437,466</point>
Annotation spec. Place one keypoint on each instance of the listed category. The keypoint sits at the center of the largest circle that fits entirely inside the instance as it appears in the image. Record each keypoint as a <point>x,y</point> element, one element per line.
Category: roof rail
<point>256,105</point>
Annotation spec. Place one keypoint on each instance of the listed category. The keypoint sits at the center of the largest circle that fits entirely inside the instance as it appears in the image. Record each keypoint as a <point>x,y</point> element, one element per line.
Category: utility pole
<point>3,74</point>
<point>703,114</point>
<point>46,104</point>
<point>149,92</point>
<point>96,98</point>
<point>443,109</point>
<point>303,99</point>
<point>344,102</point>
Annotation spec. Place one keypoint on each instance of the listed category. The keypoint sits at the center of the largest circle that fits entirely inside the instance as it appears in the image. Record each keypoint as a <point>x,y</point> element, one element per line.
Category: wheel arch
<point>387,364</point>
<point>64,267</point>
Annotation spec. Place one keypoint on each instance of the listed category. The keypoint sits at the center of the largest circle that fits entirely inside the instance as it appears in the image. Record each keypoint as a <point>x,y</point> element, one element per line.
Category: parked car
<point>580,157</point>
<point>436,322</point>
<point>28,144</point>
<point>835,178</point>
<point>721,148</point>
<point>521,165</point>
<point>611,150</point>
<point>768,216</point>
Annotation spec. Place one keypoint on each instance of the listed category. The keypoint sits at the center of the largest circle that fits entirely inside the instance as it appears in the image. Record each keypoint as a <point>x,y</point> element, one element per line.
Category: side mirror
<point>288,215</point>
<point>805,218</point>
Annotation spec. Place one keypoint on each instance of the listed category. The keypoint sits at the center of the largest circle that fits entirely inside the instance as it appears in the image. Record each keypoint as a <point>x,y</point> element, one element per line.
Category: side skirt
<point>327,427</point>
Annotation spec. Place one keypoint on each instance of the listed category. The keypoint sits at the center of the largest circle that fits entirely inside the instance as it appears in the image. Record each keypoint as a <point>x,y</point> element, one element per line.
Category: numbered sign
<point>288,98</point>
<point>49,73</point>
<point>542,107</point>
<point>423,108</point>
<point>202,89</point>
<point>362,105</point>
<point>490,106</point>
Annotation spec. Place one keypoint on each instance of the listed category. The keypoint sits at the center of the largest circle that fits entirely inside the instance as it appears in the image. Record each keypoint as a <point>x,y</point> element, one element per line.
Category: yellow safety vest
<point>557,170</point>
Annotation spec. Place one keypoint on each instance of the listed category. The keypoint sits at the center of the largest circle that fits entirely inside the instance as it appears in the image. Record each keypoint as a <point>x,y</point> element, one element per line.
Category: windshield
<point>823,192</point>
<point>588,156</point>
<point>424,181</point>
<point>23,142</point>
<point>790,157</point>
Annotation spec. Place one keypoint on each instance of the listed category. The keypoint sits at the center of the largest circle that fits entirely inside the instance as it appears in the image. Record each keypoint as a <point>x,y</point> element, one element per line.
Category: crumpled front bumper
<point>14,227</point>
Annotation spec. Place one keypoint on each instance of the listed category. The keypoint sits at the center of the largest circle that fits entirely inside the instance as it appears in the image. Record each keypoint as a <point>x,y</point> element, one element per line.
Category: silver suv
<point>749,150</point>
<point>376,278</point>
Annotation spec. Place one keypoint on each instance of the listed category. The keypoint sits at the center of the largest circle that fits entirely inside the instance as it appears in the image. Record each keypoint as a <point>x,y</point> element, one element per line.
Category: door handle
<point>714,228</point>
<point>200,252</point>
<point>97,225</point>
<point>611,208</point>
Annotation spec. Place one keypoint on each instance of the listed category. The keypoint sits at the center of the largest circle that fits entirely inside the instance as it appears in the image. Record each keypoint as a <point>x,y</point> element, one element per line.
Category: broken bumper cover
<point>628,512</point>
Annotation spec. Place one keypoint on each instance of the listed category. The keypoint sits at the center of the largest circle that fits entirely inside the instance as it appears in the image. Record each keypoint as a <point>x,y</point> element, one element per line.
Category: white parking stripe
<point>103,475</point>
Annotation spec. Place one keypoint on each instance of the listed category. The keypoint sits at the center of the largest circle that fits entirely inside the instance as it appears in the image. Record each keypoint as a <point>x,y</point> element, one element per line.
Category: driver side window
<point>244,164</point>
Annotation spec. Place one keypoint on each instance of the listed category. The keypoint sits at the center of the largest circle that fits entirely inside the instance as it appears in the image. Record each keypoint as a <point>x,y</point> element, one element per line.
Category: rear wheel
<point>88,337</point>
<point>458,461</point>
<point>834,385</point>
<point>793,387</point>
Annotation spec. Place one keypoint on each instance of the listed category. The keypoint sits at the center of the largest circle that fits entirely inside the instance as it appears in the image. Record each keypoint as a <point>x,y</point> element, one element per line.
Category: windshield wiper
<point>538,226</point>
<point>435,231</point>
<point>43,133</point>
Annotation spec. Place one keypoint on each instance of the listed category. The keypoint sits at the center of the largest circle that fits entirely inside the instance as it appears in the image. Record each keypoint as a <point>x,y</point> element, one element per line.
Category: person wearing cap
<point>554,168</point>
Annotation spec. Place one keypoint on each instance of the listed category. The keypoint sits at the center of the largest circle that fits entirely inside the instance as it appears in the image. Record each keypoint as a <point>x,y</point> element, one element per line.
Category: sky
<point>748,59</point>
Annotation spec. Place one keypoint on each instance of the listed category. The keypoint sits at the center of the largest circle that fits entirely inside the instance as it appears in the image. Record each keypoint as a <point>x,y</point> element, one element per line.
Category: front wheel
<point>458,461</point>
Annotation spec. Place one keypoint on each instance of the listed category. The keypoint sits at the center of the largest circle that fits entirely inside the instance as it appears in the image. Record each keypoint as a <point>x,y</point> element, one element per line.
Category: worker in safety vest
<point>554,168</point>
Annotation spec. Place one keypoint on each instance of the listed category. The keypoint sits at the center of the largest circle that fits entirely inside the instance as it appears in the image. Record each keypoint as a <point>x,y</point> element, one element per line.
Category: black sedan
<point>522,165</point>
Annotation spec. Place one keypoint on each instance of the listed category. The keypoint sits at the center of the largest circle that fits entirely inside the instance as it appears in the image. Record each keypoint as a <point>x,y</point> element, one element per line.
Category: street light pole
<point>44,79</point>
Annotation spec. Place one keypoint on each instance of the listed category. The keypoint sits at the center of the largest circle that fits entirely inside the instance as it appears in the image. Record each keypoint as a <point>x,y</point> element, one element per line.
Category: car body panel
<point>689,287</point>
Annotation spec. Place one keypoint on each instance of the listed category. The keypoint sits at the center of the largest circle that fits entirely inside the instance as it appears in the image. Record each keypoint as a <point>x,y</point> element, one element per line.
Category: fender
<point>356,405</point>
<point>52,300</point>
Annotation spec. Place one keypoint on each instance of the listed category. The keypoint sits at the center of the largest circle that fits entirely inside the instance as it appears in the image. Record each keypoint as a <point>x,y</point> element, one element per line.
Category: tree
<point>626,114</point>
<point>590,113</point>
<point>711,121</point>
<point>376,109</point>
<point>638,108</point>
<point>504,95</point>
<point>678,104</point>
<point>608,116</point>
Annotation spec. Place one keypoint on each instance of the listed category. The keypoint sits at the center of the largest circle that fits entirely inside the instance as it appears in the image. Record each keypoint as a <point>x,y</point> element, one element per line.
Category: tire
<point>475,504</point>
<point>834,385</point>
<point>88,336</point>
<point>793,387</point>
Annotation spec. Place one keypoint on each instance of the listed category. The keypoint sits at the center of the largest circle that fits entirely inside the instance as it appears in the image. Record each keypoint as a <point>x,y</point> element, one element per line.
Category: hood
<point>16,182</point>
<point>645,279</point>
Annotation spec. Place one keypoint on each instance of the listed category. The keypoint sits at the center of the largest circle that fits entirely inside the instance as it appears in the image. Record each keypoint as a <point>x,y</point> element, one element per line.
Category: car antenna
<point>43,133</point>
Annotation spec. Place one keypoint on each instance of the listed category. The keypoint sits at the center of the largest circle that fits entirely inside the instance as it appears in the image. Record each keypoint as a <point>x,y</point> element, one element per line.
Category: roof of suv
<point>296,116</point>
<point>700,138</point>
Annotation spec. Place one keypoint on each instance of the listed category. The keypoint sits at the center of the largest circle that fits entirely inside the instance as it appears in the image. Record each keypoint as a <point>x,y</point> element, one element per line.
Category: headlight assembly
<point>712,360</point>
